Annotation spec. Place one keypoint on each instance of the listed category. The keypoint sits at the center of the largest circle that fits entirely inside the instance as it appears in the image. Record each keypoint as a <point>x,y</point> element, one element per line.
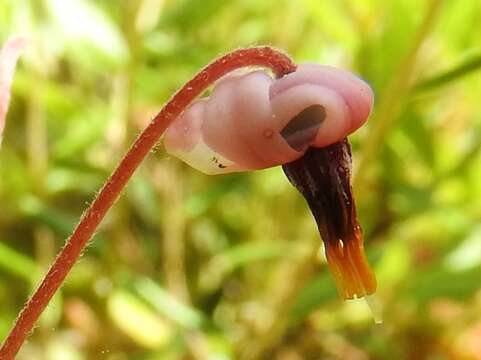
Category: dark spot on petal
<point>303,128</point>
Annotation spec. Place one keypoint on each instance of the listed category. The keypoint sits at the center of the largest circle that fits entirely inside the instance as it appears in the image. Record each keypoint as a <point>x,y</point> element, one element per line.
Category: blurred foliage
<point>188,266</point>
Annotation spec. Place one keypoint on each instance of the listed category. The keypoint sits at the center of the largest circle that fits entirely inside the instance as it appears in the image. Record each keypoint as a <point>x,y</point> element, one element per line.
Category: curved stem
<point>280,64</point>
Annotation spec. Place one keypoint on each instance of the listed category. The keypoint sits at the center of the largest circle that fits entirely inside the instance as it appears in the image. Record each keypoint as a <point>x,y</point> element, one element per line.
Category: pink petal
<point>183,139</point>
<point>336,125</point>
<point>356,93</point>
<point>9,55</point>
<point>239,123</point>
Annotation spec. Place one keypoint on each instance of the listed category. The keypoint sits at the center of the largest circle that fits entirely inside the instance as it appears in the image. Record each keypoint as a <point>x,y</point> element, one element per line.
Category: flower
<point>300,121</point>
<point>9,55</point>
<point>251,121</point>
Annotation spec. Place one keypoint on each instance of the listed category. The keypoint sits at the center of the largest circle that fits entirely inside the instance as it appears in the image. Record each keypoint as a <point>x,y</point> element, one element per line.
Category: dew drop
<point>268,133</point>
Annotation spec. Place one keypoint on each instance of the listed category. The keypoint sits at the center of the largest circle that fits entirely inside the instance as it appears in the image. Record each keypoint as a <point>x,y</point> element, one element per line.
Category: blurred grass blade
<point>465,68</point>
<point>134,318</point>
<point>168,305</point>
<point>193,13</point>
<point>467,255</point>
<point>254,251</point>
<point>392,102</point>
<point>317,291</point>
<point>225,263</point>
<point>17,263</point>
<point>54,218</point>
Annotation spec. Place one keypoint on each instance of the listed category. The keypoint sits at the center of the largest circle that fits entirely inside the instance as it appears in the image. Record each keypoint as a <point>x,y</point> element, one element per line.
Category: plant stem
<point>280,64</point>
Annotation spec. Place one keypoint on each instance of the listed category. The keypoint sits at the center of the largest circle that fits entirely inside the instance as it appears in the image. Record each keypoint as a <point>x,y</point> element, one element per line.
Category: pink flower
<point>9,55</point>
<point>252,121</point>
<point>300,121</point>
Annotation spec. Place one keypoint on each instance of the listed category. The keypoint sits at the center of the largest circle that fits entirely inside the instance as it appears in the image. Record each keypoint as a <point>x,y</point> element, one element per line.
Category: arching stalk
<point>280,64</point>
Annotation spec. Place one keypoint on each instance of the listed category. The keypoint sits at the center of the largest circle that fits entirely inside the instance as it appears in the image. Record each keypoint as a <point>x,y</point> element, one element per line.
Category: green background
<point>188,266</point>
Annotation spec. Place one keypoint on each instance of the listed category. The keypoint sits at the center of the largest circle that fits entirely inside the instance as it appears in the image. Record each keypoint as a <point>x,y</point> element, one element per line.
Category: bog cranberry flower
<point>252,121</point>
<point>9,55</point>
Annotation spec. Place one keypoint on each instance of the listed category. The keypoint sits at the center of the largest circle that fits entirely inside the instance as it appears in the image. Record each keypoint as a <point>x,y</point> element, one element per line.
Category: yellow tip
<point>350,269</point>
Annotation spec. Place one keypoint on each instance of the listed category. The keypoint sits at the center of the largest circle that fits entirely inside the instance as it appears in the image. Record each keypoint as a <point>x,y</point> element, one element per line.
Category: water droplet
<point>268,133</point>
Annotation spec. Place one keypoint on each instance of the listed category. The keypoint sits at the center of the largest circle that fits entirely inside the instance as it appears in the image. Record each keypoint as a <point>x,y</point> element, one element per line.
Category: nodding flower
<point>300,121</point>
<point>9,55</point>
<point>252,121</point>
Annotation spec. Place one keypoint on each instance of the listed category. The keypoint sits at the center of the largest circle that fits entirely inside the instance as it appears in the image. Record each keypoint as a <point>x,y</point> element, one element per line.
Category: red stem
<point>280,64</point>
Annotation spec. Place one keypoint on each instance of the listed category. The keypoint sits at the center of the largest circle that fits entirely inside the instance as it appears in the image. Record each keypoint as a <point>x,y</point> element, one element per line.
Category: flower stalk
<point>267,57</point>
<point>322,175</point>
